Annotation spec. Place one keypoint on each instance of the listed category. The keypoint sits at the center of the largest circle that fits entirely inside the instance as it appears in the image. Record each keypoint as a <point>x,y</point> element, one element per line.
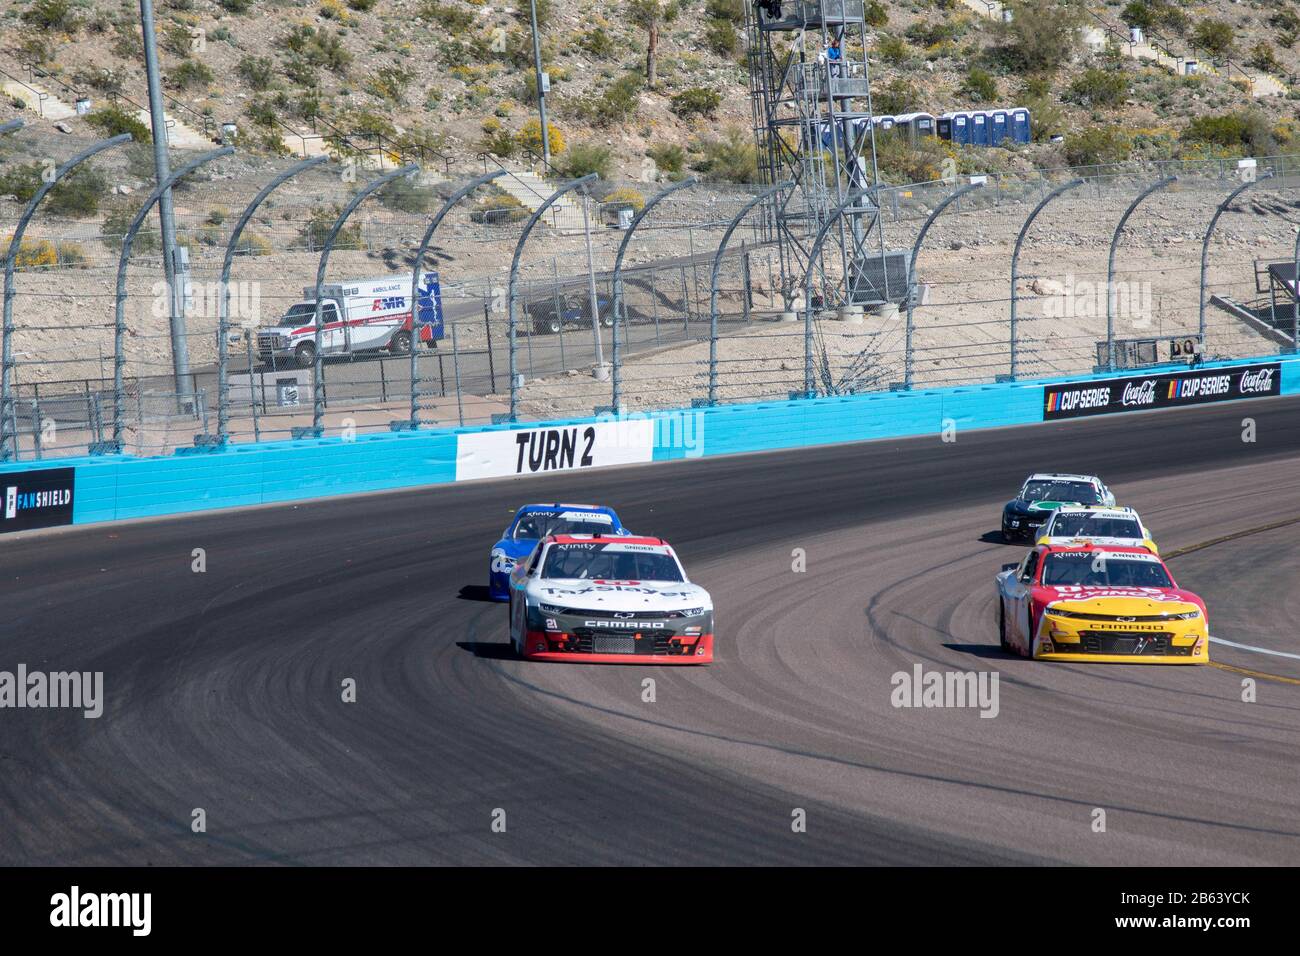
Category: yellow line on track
<point>1251,673</point>
<point>1263,675</point>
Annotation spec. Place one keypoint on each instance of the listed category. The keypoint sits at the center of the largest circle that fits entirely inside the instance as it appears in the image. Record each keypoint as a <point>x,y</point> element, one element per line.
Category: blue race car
<point>534,522</point>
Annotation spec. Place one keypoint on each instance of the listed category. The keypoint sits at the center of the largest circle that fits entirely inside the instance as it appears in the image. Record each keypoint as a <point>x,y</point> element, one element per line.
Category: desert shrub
<point>116,223</point>
<point>730,157</point>
<point>112,120</point>
<point>191,74</point>
<point>1247,130</point>
<point>1042,36</point>
<point>614,105</point>
<point>1094,87</point>
<point>598,42</point>
<point>625,196</point>
<point>1263,58</point>
<point>733,11</point>
<point>498,208</point>
<point>530,137</point>
<point>896,96</point>
<point>668,158</point>
<point>452,20</point>
<point>697,101</point>
<point>499,142</point>
<point>584,158</point>
<point>901,161</point>
<point>319,224</point>
<point>406,195</point>
<point>1215,37</point>
<point>980,86</point>
<point>893,50</point>
<point>721,37</point>
<point>55,15</point>
<point>318,48</point>
<point>1098,146</point>
<point>257,71</point>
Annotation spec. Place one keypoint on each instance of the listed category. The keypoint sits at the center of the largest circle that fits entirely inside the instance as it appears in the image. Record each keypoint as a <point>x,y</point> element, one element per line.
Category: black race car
<point>1043,493</point>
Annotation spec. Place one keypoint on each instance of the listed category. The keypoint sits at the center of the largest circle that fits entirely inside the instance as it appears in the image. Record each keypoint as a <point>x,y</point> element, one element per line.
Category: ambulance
<point>361,315</point>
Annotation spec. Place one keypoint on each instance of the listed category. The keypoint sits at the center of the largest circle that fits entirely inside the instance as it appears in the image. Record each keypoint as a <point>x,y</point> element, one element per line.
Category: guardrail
<point>119,487</point>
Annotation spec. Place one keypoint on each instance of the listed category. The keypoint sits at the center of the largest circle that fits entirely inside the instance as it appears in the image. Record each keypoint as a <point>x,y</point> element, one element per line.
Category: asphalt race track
<point>224,688</point>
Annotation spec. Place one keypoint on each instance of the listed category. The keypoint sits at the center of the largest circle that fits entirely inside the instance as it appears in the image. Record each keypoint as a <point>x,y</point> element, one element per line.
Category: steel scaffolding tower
<point>811,98</point>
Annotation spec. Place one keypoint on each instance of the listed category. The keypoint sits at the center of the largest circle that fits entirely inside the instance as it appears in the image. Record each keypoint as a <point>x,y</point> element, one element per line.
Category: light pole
<point>542,82</point>
<point>166,218</point>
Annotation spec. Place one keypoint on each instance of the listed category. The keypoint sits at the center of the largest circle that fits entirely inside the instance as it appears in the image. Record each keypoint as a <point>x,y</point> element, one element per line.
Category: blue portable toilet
<point>884,123</point>
<point>1020,125</point>
<point>999,126</point>
<point>916,124</point>
<point>979,128</point>
<point>961,128</point>
<point>943,127</point>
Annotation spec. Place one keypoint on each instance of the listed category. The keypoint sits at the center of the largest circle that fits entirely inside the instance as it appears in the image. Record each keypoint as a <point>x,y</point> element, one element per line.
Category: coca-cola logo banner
<point>1135,393</point>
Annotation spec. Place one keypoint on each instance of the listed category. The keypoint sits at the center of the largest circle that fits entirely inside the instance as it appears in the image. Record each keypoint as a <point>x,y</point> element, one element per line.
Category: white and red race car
<point>608,599</point>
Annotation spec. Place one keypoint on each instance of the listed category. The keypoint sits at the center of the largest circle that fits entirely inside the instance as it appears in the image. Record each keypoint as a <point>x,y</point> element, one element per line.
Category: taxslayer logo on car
<point>1166,390</point>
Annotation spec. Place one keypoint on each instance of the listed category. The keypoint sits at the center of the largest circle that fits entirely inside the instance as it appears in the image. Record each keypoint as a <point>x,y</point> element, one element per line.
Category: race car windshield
<point>1081,491</point>
<point>1102,570</point>
<point>595,562</point>
<point>1093,526</point>
<point>533,527</point>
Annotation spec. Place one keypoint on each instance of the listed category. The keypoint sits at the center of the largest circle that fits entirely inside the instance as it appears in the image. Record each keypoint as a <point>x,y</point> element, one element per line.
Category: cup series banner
<point>41,498</point>
<point>1135,393</point>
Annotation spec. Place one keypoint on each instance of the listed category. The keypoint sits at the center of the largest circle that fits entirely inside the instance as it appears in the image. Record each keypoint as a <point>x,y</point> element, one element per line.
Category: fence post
<point>457,196</point>
<point>618,305</point>
<point>713,281</point>
<point>119,322</point>
<point>8,439</point>
<point>813,254</point>
<point>1110,266</point>
<point>318,384</point>
<point>1015,260</point>
<point>911,274</point>
<point>223,300</point>
<point>1295,313</point>
<point>1205,248</point>
<point>514,278</point>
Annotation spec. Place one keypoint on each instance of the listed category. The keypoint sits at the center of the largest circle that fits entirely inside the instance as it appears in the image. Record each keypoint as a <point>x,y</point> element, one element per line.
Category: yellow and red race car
<point>1087,602</point>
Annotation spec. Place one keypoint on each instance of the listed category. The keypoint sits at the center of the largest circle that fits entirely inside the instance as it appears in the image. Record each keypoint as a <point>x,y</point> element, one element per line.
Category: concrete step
<point>179,135</point>
<point>39,100</point>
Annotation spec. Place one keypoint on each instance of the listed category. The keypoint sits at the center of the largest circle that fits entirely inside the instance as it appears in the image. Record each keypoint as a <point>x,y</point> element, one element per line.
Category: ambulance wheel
<point>400,343</point>
<point>305,355</point>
